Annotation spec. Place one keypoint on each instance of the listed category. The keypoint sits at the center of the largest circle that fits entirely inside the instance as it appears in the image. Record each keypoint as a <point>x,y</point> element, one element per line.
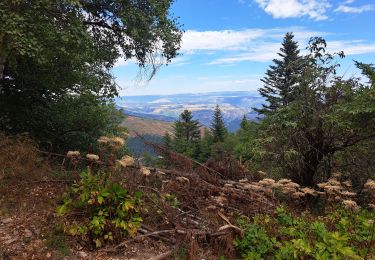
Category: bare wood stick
<point>155,233</point>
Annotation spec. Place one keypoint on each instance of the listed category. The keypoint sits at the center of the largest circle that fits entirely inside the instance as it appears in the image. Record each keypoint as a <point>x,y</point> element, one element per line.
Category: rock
<point>48,255</point>
<point>6,220</point>
<point>28,233</point>
<point>243,180</point>
<point>228,185</point>
<point>82,254</point>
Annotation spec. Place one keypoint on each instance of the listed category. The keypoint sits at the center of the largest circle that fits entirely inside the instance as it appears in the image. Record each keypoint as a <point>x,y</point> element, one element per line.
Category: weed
<point>56,240</point>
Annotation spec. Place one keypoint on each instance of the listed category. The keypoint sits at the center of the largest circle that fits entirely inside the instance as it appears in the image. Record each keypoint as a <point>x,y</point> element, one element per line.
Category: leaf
<point>98,243</point>
<point>61,210</point>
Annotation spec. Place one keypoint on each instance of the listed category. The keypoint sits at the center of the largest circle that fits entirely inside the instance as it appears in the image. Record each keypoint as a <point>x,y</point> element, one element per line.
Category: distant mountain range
<point>234,106</point>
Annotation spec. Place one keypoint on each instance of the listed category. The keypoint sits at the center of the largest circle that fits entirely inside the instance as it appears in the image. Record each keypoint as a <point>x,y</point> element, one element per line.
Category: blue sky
<point>228,44</point>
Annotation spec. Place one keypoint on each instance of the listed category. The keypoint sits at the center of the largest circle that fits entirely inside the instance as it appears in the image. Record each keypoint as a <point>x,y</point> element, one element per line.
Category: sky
<point>229,44</point>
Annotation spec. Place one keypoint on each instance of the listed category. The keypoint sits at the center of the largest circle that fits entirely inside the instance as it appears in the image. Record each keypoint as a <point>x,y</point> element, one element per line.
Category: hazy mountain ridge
<point>234,106</point>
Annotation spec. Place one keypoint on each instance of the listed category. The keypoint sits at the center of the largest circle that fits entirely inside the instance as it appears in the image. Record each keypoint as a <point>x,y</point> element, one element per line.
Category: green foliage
<point>281,77</point>
<point>108,209</point>
<point>327,117</point>
<point>56,240</point>
<point>218,128</point>
<point>186,135</point>
<point>50,63</point>
<point>246,141</point>
<point>339,235</point>
<point>75,122</point>
<point>172,200</point>
<point>205,146</point>
<point>256,244</point>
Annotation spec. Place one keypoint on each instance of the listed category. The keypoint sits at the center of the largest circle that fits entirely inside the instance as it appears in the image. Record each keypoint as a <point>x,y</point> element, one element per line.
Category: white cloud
<point>314,9</point>
<point>267,51</point>
<point>354,9</point>
<point>241,40</point>
<point>228,47</point>
<point>351,47</point>
<point>218,40</point>
<point>263,53</point>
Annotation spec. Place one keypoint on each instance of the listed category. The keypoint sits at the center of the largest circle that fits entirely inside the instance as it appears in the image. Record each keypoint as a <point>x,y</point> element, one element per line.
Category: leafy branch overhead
<point>56,54</point>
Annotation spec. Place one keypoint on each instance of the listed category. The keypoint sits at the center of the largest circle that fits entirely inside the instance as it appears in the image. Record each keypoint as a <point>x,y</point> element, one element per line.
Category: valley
<point>234,105</point>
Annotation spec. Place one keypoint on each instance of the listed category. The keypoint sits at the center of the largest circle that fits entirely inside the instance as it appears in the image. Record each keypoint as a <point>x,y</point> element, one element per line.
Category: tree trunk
<point>2,55</point>
<point>311,164</point>
<point>2,66</point>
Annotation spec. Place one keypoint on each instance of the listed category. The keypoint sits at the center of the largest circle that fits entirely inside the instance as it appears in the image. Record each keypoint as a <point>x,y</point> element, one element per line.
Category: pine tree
<point>218,127</point>
<point>167,140</point>
<point>187,134</point>
<point>281,77</point>
<point>243,123</point>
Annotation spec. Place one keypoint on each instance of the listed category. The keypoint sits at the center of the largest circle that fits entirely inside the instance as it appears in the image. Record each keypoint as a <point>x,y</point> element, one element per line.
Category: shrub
<point>108,211</point>
<point>342,234</point>
<point>256,243</point>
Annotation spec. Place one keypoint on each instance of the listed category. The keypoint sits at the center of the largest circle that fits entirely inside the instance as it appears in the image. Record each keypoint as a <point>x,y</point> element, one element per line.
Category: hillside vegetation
<point>298,183</point>
<point>137,125</point>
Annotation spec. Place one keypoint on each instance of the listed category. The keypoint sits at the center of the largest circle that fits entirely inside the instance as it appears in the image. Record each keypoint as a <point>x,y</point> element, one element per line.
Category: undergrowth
<point>100,210</point>
<point>341,234</point>
<point>56,240</point>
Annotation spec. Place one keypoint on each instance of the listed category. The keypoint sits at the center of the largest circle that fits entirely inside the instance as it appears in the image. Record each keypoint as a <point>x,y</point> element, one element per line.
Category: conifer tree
<point>167,140</point>
<point>187,133</point>
<point>281,77</point>
<point>243,123</point>
<point>218,128</point>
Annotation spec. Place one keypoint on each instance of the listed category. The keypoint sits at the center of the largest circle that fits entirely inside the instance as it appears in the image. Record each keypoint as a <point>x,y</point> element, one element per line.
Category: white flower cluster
<point>337,191</point>
<point>92,157</point>
<point>115,143</point>
<point>126,161</point>
<point>369,190</point>
<point>73,154</point>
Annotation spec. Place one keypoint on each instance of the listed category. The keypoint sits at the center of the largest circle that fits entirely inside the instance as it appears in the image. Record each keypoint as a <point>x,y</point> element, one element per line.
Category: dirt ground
<point>28,229</point>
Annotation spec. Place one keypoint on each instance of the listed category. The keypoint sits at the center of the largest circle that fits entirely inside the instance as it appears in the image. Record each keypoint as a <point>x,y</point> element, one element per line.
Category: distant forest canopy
<point>56,59</point>
<point>314,121</point>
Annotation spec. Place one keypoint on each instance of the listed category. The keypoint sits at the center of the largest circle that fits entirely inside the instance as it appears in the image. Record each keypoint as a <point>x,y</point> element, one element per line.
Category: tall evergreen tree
<point>281,77</point>
<point>328,126</point>
<point>187,134</point>
<point>218,127</point>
